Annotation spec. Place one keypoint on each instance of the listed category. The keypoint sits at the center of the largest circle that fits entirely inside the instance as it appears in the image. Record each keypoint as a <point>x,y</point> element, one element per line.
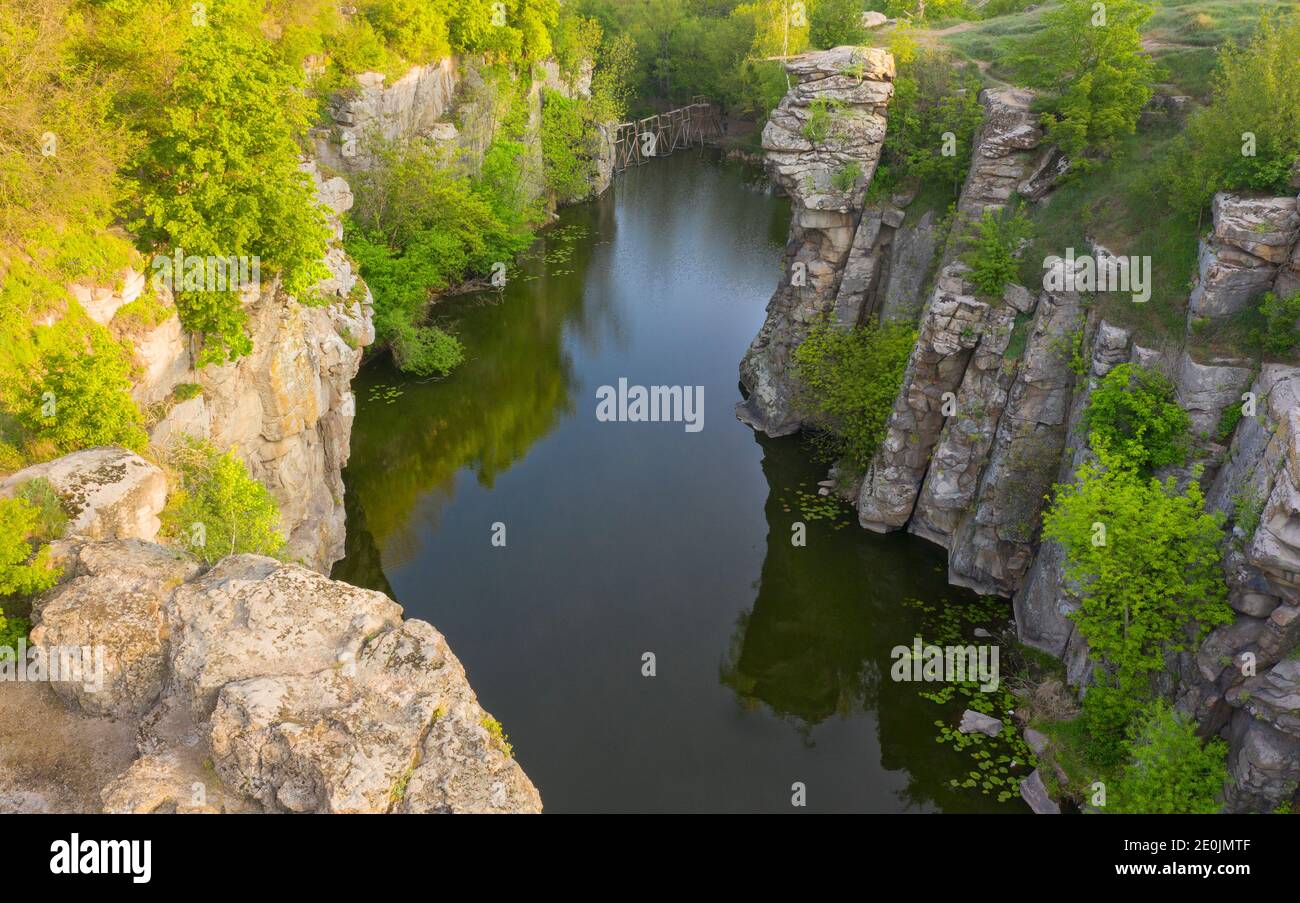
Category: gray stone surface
<point>826,221</point>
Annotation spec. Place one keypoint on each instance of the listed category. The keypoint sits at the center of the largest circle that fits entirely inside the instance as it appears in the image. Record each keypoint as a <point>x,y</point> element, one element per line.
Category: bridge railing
<point>637,142</point>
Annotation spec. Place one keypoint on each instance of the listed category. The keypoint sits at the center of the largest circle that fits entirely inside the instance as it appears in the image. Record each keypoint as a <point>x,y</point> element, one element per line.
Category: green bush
<point>1256,92</point>
<point>218,509</point>
<point>426,350</point>
<point>1281,333</point>
<point>832,23</point>
<point>24,562</point>
<point>1097,76</point>
<point>848,381</point>
<point>50,517</point>
<point>80,394</point>
<point>1169,769</point>
<point>419,227</point>
<point>1134,413</point>
<point>994,249</point>
<point>935,108</point>
<point>846,178</point>
<point>1145,562</point>
<point>223,177</point>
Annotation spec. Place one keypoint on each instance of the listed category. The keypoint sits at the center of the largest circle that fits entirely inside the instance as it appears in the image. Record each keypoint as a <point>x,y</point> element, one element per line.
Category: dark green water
<point>625,538</point>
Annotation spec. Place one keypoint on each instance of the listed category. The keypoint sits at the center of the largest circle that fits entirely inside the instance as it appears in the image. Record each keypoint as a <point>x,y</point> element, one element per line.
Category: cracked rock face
<point>1004,151</point>
<point>1252,238</point>
<point>822,144</point>
<point>263,686</point>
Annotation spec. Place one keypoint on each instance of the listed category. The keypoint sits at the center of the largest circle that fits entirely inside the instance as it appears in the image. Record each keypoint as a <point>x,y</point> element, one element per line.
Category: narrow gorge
<point>364,534</point>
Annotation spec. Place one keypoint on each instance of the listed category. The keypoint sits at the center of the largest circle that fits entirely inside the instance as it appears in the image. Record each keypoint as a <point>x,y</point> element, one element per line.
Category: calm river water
<point>772,661</point>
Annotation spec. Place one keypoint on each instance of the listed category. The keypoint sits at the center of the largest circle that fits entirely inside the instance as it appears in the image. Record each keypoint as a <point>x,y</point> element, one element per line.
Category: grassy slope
<point>1114,205</point>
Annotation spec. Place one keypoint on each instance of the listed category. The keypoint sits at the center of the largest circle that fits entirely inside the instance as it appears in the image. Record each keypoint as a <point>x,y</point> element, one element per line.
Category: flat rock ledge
<point>264,686</point>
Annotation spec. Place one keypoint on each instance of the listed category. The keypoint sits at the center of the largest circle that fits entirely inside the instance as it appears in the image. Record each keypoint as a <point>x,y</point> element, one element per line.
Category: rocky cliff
<point>456,103</point>
<point>989,413</point>
<point>822,145</point>
<point>251,686</point>
<point>258,685</point>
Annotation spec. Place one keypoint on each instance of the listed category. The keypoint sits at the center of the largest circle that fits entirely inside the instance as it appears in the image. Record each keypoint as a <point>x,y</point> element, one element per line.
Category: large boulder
<point>108,492</point>
<point>252,616</point>
<point>1251,238</point>
<point>399,729</point>
<point>110,606</point>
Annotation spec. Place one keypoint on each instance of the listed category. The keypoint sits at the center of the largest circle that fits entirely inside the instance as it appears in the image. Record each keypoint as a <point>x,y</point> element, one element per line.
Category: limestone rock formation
<point>950,331</point>
<point>304,694</point>
<point>824,168</point>
<point>1004,151</point>
<point>1251,239</point>
<point>107,492</point>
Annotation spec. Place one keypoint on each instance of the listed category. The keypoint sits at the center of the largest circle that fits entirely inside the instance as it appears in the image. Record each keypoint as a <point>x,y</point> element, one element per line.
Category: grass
<point>1117,205</point>
<point>1182,35</point>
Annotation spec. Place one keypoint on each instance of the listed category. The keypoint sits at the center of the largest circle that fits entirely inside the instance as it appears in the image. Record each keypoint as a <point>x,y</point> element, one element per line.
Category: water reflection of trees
<point>805,648</point>
<point>513,389</point>
<point>817,642</point>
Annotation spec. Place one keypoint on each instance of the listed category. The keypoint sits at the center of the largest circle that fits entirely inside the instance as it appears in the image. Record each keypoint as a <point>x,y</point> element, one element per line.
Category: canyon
<point>976,438</point>
<point>258,685</point>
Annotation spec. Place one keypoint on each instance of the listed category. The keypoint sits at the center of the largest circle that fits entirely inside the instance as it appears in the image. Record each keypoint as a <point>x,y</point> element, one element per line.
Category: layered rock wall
<point>822,145</point>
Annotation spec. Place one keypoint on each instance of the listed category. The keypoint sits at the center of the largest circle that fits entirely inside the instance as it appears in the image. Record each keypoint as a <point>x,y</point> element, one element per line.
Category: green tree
<point>1169,769</point>
<point>997,240</point>
<point>80,393</point>
<point>568,154</point>
<point>1280,335</point>
<point>223,178</point>
<point>1143,559</point>
<point>1135,414</point>
<point>848,381</point>
<point>1248,138</point>
<point>832,23</point>
<point>218,509</point>
<point>1089,58</point>
<point>933,117</point>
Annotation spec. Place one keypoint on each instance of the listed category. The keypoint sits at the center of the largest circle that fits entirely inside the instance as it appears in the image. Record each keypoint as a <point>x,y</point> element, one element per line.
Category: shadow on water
<point>772,661</point>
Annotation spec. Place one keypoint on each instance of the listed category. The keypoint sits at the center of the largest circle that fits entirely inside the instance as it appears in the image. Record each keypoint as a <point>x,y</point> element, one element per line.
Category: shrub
<point>80,395</point>
<point>1281,334</point>
<point>1145,561</point>
<point>835,22</point>
<point>426,350</point>
<point>848,381</point>
<point>1169,769</point>
<point>932,100</point>
<point>846,178</point>
<point>218,509</point>
<point>24,569</point>
<point>1098,76</point>
<point>995,247</point>
<point>50,517</point>
<point>420,226</point>
<point>1256,92</point>
<point>821,115</point>
<point>223,179</point>
<point>1135,414</point>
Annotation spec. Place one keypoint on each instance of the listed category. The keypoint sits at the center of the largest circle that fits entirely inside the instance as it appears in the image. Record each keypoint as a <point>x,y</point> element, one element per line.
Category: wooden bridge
<point>658,136</point>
